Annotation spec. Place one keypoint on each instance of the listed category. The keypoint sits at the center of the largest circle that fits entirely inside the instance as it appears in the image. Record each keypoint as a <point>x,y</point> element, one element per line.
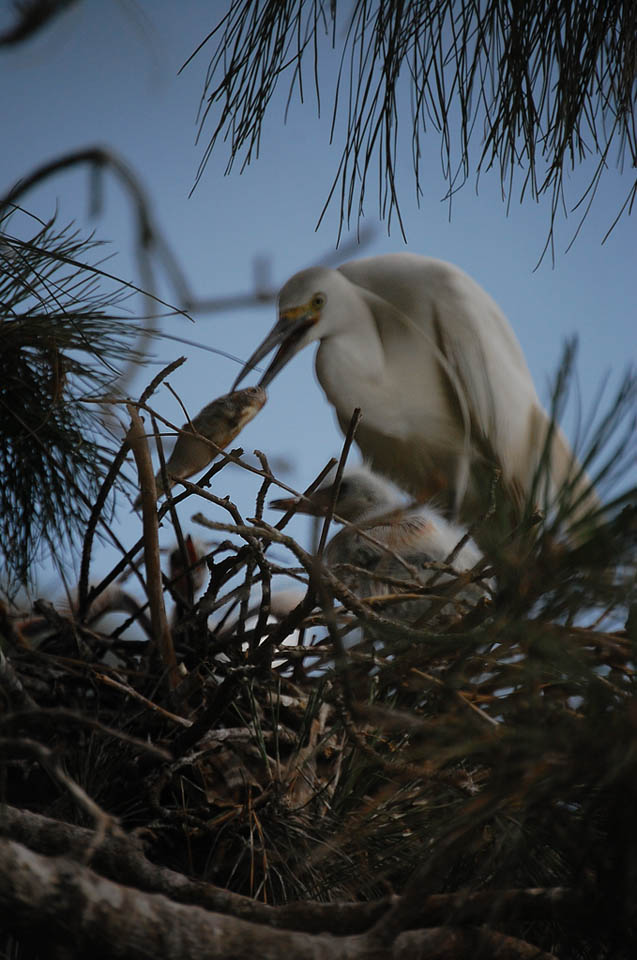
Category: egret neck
<point>350,366</point>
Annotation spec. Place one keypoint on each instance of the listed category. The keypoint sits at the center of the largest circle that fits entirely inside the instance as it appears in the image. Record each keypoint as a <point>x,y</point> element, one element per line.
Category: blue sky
<point>107,74</point>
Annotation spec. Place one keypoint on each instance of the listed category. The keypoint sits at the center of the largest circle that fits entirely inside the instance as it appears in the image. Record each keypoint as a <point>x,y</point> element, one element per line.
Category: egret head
<point>310,308</point>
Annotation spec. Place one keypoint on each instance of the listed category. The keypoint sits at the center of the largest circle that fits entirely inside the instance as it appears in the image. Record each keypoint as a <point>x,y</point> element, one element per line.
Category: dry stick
<point>184,558</point>
<point>13,688</point>
<point>306,495</point>
<point>149,237</point>
<point>265,486</point>
<point>148,232</point>
<point>161,632</point>
<point>257,558</point>
<point>163,373</point>
<point>227,457</point>
<point>131,692</point>
<point>280,524</point>
<point>461,696</point>
<point>347,598</point>
<point>349,439</point>
<point>244,600</point>
<point>181,544</point>
<point>304,607</point>
<point>265,293</point>
<point>476,573</point>
<point>137,610</point>
<point>250,562</point>
<point>79,493</point>
<point>118,631</point>
<point>467,576</point>
<point>318,583</point>
<point>266,571</point>
<point>341,662</point>
<point>50,715</point>
<point>21,746</point>
<point>109,480</point>
<point>122,549</point>
<point>84,599</point>
<point>497,473</point>
<point>233,456</point>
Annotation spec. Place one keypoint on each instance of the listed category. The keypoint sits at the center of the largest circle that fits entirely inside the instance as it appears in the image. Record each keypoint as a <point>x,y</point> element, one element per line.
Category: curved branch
<point>121,858</point>
<point>63,901</point>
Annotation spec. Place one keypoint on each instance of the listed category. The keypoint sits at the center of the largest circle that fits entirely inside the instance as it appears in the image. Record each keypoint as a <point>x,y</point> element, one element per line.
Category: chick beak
<point>286,334</point>
<point>315,505</point>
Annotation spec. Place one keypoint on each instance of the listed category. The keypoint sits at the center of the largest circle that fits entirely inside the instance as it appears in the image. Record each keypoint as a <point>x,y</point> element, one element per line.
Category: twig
<point>109,480</point>
<point>174,516</point>
<point>129,691</point>
<point>149,234</point>
<point>347,598</point>
<point>349,439</point>
<point>163,373</point>
<point>84,598</point>
<point>12,685</point>
<point>19,746</point>
<point>161,631</point>
<point>461,696</point>
<point>30,715</point>
<point>306,495</point>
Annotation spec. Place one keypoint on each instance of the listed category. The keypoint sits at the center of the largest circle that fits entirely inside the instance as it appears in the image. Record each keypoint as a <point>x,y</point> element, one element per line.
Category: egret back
<point>456,382</point>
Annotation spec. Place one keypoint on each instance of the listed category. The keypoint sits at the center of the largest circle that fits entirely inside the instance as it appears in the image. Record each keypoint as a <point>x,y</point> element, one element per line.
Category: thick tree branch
<point>57,900</point>
<point>121,858</point>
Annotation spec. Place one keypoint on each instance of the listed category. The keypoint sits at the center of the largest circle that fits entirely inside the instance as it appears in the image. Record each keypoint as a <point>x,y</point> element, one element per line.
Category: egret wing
<point>481,367</point>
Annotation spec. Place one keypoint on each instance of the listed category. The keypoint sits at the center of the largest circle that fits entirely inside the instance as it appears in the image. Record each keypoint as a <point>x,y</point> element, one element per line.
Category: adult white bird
<point>438,373</point>
<point>390,542</point>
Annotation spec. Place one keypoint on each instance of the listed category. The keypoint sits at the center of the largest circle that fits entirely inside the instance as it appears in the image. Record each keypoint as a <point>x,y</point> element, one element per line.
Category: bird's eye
<point>318,300</point>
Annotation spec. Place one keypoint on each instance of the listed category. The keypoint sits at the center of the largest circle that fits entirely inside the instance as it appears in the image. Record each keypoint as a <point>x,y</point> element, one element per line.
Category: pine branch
<point>542,87</point>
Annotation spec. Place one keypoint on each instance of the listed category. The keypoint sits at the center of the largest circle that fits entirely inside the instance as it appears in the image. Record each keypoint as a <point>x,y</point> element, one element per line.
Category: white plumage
<point>388,540</point>
<point>437,371</point>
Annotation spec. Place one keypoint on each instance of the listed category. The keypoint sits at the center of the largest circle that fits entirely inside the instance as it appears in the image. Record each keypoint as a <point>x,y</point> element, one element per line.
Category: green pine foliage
<point>63,334</point>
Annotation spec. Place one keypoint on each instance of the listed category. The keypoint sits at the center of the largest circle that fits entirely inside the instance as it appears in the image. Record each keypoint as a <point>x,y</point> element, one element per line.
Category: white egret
<point>388,540</point>
<point>437,371</point>
<point>220,421</point>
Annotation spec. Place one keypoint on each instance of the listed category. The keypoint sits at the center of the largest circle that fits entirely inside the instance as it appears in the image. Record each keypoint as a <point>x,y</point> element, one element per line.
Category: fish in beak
<point>288,335</point>
<point>220,422</point>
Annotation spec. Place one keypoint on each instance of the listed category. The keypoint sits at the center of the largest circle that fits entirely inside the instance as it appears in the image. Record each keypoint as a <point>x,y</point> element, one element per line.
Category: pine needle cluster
<point>530,89</point>
<point>62,335</point>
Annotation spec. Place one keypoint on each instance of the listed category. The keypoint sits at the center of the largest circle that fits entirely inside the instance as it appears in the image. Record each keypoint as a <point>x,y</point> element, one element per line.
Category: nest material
<point>457,764</point>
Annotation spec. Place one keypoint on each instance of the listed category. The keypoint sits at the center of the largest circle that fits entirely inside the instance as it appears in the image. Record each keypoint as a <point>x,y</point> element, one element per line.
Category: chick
<point>382,531</point>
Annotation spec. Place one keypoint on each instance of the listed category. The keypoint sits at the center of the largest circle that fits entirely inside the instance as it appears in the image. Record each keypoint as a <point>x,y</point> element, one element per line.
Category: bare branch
<point>136,439</point>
